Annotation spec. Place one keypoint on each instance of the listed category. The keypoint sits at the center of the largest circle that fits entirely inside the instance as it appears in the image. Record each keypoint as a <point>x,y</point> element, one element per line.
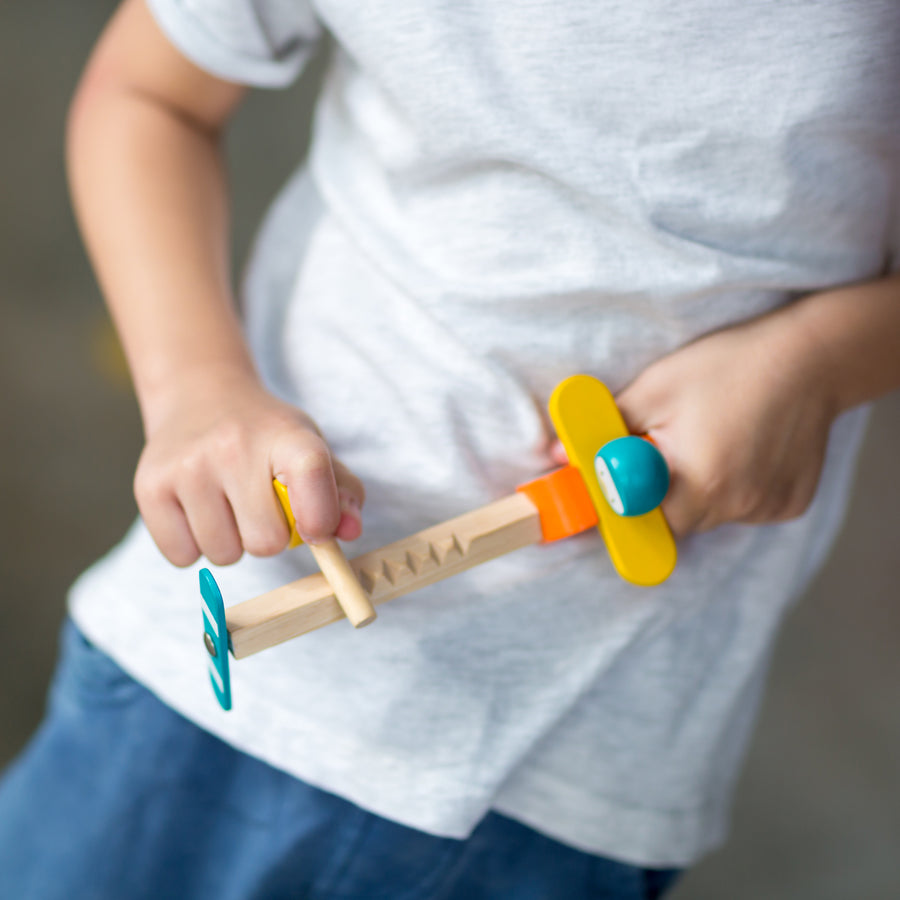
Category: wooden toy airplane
<point>614,480</point>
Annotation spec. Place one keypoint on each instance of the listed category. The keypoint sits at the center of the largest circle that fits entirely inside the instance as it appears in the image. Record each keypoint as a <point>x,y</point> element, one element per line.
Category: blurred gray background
<point>817,813</point>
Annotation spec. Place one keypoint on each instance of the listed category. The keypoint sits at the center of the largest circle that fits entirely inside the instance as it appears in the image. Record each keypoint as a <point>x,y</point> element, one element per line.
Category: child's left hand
<point>742,417</point>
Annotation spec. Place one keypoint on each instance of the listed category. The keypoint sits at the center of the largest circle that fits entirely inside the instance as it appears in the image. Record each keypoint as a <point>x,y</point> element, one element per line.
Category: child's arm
<point>148,183</point>
<point>743,415</point>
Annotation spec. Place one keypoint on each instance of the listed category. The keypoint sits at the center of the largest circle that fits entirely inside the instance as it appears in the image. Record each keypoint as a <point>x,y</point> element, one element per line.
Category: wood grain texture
<point>349,593</point>
<point>391,571</point>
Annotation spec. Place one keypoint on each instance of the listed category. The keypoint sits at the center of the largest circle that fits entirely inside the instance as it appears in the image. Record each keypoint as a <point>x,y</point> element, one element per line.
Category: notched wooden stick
<point>391,571</point>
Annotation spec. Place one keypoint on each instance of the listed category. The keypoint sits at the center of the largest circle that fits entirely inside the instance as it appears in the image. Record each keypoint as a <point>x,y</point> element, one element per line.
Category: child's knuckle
<point>224,554</point>
<point>182,555</point>
<point>229,442</point>
<point>745,503</point>
<point>150,486</point>
<point>313,464</point>
<point>265,541</point>
<point>192,466</point>
<point>710,492</point>
<point>793,508</point>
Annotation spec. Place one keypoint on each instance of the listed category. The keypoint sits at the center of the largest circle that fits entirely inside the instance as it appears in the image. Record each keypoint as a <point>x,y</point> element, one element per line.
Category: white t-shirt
<point>501,195</point>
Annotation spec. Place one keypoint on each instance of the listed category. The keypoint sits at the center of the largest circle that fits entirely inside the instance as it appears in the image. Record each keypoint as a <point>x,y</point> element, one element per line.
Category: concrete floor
<point>817,813</point>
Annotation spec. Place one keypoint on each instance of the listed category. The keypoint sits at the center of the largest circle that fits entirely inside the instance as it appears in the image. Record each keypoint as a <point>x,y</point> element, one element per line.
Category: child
<point>697,204</point>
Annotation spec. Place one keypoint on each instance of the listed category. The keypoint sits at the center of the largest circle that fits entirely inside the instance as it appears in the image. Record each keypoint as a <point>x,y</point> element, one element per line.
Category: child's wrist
<point>810,354</point>
<point>200,381</point>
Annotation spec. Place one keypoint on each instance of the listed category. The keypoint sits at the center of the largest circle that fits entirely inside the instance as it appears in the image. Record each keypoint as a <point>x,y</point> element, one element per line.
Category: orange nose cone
<point>563,502</point>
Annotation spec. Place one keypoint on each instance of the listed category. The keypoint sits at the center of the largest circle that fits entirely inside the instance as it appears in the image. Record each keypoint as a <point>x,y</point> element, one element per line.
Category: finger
<point>350,525</point>
<point>169,528</point>
<point>304,464</point>
<point>631,406</point>
<point>558,454</point>
<point>260,521</point>
<point>348,483</point>
<point>638,403</point>
<point>351,498</point>
<point>212,522</point>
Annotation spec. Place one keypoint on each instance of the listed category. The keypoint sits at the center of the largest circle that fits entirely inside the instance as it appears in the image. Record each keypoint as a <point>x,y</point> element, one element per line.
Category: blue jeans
<point>119,798</point>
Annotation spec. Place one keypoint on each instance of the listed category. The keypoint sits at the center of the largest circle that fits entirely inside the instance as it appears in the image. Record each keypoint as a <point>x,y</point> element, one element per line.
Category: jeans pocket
<point>388,861</point>
<point>87,677</point>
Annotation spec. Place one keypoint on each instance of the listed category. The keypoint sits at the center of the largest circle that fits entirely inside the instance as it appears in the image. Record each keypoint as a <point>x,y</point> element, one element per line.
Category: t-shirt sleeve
<point>261,43</point>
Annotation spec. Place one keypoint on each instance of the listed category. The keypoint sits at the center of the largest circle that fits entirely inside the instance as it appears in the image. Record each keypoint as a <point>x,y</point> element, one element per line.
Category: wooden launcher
<point>614,481</point>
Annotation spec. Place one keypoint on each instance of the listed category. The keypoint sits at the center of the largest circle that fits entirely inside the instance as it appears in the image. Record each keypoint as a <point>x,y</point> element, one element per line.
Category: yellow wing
<point>586,417</point>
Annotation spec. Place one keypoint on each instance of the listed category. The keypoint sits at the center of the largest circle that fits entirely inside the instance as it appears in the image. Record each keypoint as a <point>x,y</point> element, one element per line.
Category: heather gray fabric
<point>501,195</point>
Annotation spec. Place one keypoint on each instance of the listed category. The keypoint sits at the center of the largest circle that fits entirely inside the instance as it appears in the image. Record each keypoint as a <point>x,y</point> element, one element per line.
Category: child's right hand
<point>204,480</point>
<point>144,151</point>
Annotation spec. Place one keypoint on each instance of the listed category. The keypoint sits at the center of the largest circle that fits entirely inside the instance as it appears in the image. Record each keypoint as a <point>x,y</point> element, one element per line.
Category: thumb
<point>302,462</point>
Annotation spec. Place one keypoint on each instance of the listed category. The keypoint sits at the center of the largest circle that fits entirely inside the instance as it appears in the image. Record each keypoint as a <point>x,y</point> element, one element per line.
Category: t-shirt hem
<point>441,805</point>
<point>638,835</point>
<point>332,762</point>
